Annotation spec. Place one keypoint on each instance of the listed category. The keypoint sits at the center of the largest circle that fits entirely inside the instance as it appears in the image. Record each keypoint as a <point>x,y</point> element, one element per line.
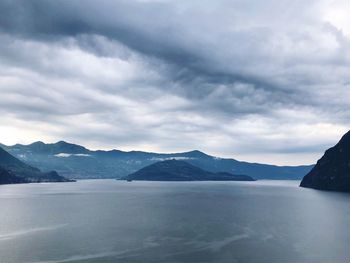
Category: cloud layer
<point>260,81</point>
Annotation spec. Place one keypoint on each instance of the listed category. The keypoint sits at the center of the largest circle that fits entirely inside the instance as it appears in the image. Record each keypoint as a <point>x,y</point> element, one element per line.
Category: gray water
<point>114,221</point>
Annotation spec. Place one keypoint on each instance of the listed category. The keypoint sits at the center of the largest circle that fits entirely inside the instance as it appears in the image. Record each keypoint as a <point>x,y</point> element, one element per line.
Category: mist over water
<point>115,221</point>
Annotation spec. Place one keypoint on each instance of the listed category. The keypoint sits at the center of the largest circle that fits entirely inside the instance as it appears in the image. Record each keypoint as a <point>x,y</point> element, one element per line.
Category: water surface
<point>114,221</point>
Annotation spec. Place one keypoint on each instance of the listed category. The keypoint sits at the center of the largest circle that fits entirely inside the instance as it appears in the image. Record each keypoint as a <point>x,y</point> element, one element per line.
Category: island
<point>178,170</point>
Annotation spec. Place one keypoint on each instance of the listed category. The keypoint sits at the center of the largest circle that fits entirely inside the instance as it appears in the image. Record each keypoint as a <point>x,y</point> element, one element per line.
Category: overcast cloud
<point>265,81</point>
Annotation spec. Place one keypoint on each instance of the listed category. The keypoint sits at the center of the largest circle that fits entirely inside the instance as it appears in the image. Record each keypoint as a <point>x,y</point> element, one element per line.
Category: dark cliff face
<point>174,170</point>
<point>332,171</point>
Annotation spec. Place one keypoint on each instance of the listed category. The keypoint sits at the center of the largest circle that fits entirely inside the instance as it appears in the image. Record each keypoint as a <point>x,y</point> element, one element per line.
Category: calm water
<point>112,221</point>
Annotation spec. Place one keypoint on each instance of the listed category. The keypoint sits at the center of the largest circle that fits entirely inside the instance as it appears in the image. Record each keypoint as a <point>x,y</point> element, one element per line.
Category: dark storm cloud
<point>236,77</point>
<point>54,19</point>
<point>129,23</point>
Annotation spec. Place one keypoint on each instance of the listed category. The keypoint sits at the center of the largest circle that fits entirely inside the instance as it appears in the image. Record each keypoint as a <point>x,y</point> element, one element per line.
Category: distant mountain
<point>74,161</point>
<point>332,171</point>
<point>52,148</point>
<point>12,170</point>
<point>174,170</point>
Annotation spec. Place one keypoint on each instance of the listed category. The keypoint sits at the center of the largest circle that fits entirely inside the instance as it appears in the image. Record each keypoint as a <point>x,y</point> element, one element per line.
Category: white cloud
<point>66,155</point>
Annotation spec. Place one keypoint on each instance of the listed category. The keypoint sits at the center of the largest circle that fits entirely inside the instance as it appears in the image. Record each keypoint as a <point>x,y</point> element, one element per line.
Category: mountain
<point>174,170</point>
<point>12,170</point>
<point>52,148</point>
<point>332,171</point>
<point>6,177</point>
<point>75,161</point>
<point>10,163</point>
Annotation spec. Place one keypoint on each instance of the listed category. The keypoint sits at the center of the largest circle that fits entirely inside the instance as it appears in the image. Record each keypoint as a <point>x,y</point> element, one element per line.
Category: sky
<point>260,81</point>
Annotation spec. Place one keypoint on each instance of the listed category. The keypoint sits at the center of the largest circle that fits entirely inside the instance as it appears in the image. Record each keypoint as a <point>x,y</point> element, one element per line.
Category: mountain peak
<point>63,143</point>
<point>37,143</point>
<point>345,140</point>
<point>195,153</point>
<point>66,147</point>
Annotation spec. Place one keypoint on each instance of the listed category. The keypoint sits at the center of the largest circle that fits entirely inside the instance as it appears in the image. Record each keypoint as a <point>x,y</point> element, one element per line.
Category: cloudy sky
<point>264,81</point>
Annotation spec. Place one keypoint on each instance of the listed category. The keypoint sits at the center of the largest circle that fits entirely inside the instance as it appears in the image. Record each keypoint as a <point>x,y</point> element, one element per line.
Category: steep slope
<point>332,171</point>
<point>10,163</point>
<point>174,170</point>
<point>74,161</point>
<point>15,171</point>
<point>7,177</point>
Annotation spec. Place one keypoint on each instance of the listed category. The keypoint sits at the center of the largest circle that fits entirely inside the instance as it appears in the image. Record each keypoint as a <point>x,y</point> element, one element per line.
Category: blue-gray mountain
<point>332,171</point>
<point>8,177</point>
<point>175,170</point>
<point>12,170</point>
<point>74,161</point>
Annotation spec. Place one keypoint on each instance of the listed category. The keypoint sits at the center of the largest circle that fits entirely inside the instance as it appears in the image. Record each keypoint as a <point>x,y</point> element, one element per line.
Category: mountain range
<point>175,170</point>
<point>78,162</point>
<point>12,170</point>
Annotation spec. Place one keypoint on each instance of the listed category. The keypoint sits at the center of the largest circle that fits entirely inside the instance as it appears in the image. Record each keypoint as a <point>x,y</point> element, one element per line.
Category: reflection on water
<point>113,221</point>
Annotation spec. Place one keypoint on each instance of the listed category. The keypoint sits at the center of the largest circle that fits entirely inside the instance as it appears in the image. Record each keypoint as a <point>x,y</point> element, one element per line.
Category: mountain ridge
<point>75,161</point>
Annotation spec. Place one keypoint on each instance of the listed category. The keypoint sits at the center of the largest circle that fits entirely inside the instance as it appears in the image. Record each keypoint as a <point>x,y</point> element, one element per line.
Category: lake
<point>115,221</point>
